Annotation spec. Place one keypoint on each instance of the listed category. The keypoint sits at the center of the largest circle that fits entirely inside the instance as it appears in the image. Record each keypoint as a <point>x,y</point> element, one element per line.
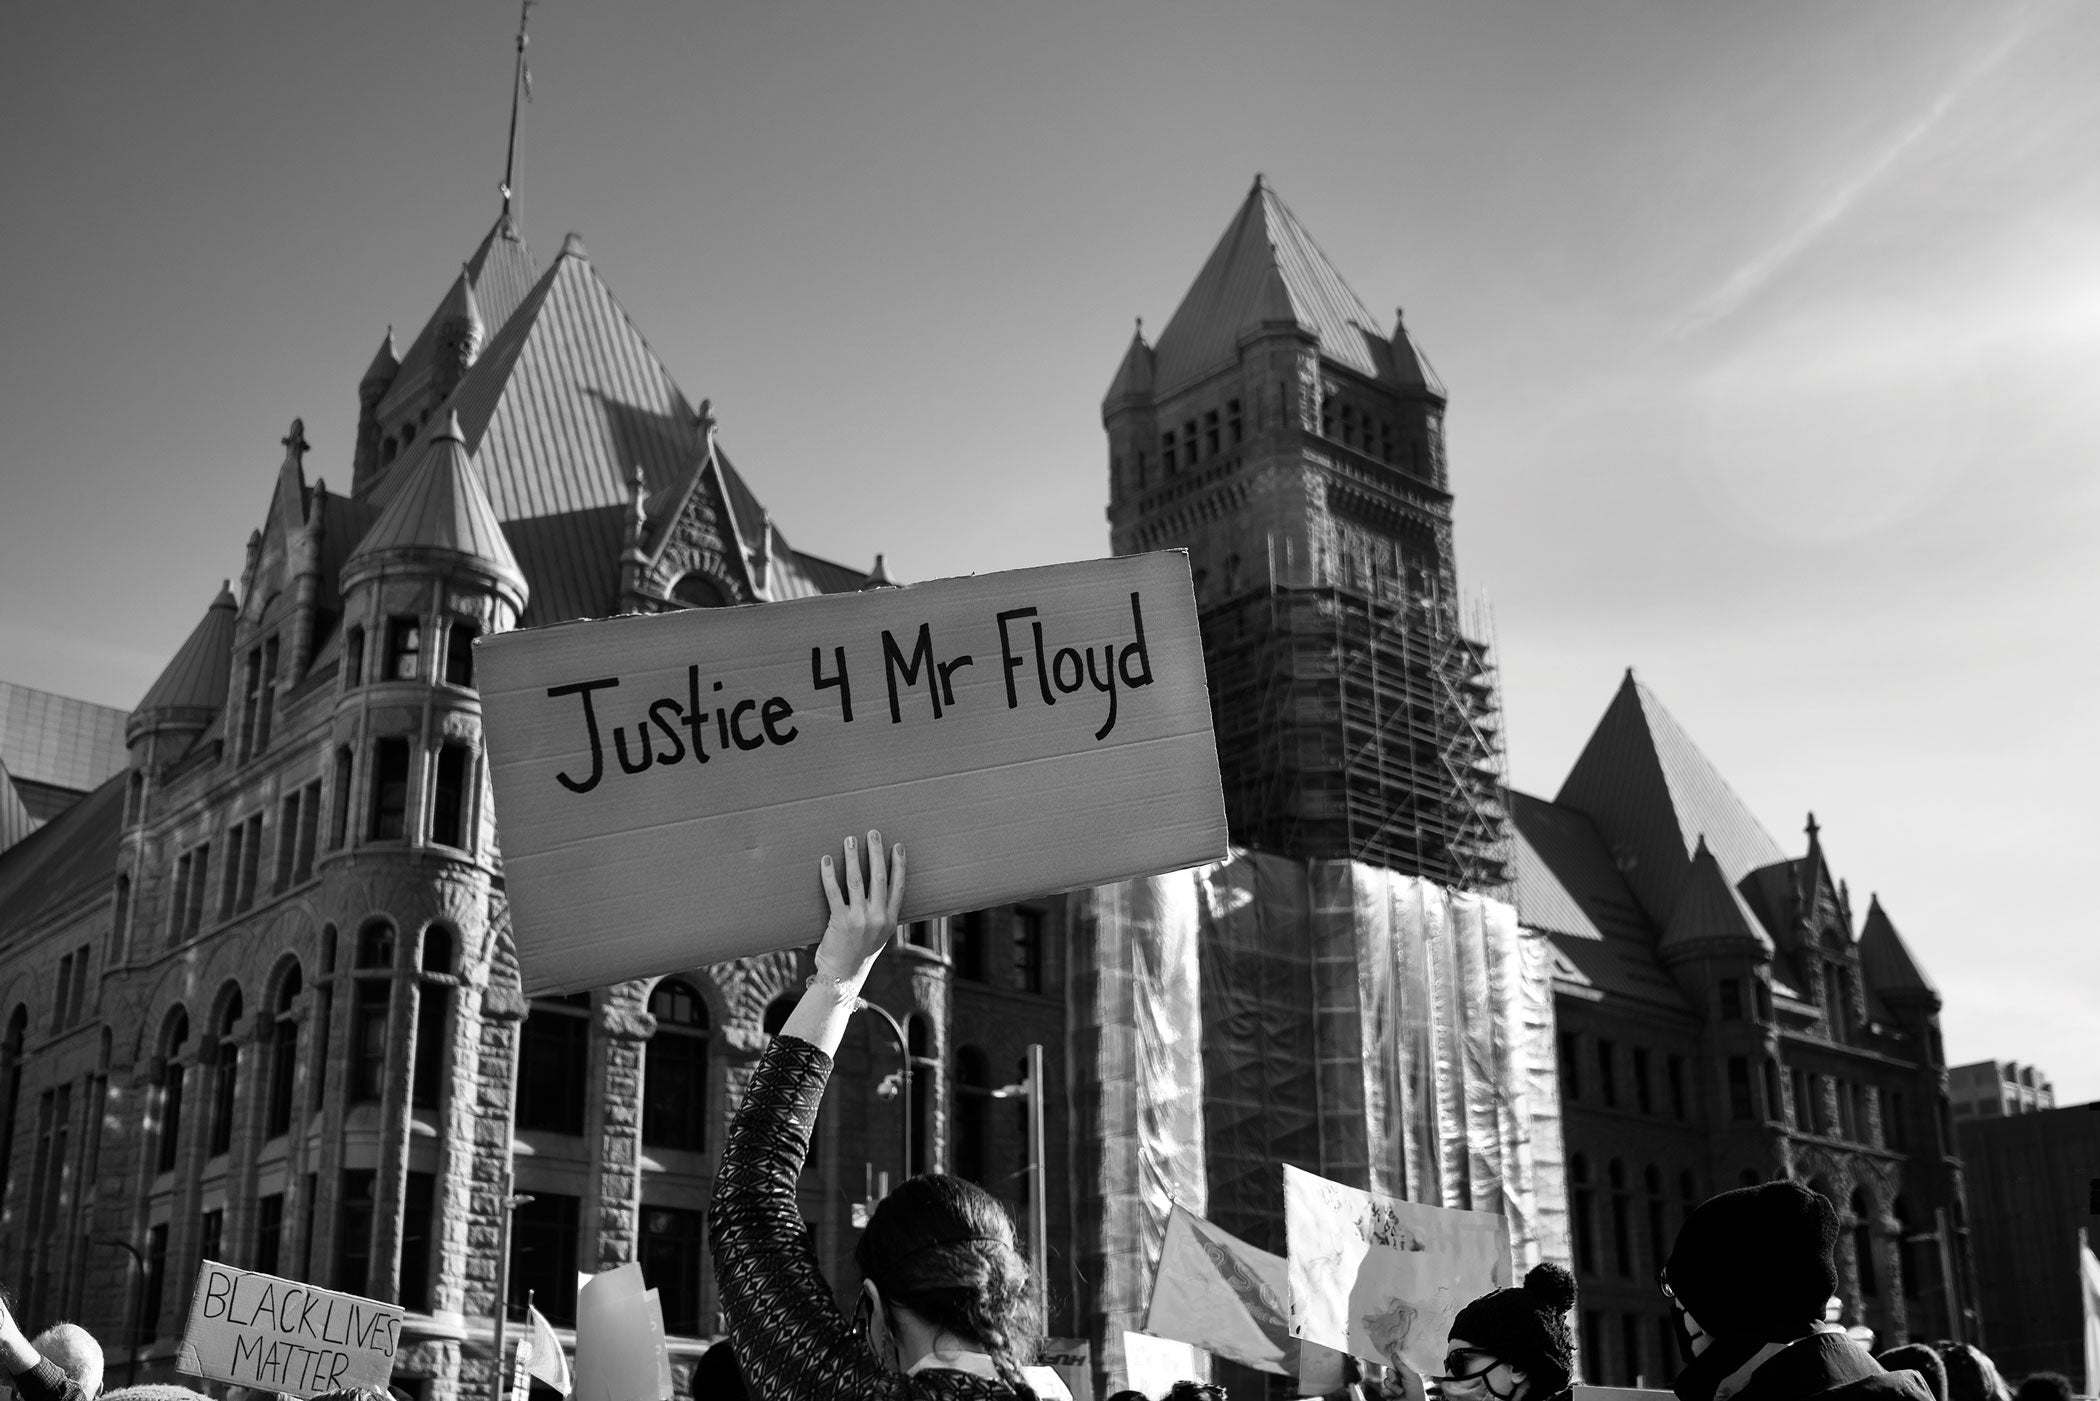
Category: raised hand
<point>864,907</point>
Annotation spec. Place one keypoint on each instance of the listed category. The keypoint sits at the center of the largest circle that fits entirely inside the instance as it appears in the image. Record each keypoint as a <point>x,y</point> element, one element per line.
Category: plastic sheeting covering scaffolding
<point>1372,1027</point>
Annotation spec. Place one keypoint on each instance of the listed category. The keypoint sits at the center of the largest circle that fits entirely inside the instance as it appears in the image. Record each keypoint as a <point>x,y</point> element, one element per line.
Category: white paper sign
<point>272,1334</point>
<point>1153,1365</point>
<point>1383,1278</point>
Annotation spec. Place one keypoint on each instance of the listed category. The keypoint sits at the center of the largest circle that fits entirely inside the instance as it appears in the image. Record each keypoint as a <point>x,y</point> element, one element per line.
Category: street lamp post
<point>1038,1202</point>
<point>904,1080</point>
<point>499,1382</point>
<point>131,1368</point>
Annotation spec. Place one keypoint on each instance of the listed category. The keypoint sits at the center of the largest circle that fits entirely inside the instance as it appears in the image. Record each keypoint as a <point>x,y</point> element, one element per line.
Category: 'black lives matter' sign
<point>273,1334</point>
<point>664,785</point>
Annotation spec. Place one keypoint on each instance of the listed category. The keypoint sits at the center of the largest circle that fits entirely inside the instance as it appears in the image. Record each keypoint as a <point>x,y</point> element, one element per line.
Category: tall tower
<point>1297,452</point>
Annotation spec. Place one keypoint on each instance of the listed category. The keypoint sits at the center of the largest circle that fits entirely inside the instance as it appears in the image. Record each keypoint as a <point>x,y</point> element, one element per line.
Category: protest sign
<point>665,784</point>
<point>1383,1278</point>
<point>1072,1360</point>
<point>1153,1365</point>
<point>257,1330</point>
<point>1216,1292</point>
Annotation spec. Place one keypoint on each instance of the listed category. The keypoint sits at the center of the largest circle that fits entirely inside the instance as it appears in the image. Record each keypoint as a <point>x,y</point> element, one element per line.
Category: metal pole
<point>498,1377</point>
<point>1038,1195</point>
<point>904,1058</point>
<point>138,1304</point>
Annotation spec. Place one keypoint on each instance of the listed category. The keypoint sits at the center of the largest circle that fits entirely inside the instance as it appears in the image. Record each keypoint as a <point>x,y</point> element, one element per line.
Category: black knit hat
<point>1758,1262</point>
<point>1527,1327</point>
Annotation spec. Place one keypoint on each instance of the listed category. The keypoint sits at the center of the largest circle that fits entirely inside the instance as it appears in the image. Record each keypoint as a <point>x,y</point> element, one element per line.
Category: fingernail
<point>849,841</point>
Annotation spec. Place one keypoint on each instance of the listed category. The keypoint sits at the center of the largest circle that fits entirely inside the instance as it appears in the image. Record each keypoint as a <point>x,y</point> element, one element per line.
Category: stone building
<point>1726,1018</point>
<point>259,998</point>
<point>1990,1089</point>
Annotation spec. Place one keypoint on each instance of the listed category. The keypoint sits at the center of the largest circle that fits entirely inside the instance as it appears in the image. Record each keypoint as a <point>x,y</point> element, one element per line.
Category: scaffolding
<point>1360,727</point>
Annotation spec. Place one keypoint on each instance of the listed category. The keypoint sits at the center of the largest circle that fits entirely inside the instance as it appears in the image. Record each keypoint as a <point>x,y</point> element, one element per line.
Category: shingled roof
<point>1886,960</point>
<point>192,687</point>
<point>1567,887</point>
<point>440,510</point>
<point>1710,914</point>
<point>72,853</point>
<point>1267,271</point>
<point>499,274</point>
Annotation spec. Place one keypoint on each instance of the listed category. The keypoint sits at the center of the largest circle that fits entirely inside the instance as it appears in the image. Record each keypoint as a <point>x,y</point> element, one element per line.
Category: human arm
<point>789,1336</point>
<point>36,1378</point>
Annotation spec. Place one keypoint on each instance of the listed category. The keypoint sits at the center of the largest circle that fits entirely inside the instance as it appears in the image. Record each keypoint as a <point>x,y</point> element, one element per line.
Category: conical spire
<point>1710,915</point>
<point>459,309</point>
<point>1410,369</point>
<point>878,577</point>
<point>1133,379</point>
<point>192,687</point>
<point>440,516</point>
<point>385,363</point>
<point>1886,959</point>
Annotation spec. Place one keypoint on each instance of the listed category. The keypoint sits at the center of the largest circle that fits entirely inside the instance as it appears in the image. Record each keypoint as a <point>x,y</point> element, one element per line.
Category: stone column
<point>616,1184</point>
<point>501,1008</point>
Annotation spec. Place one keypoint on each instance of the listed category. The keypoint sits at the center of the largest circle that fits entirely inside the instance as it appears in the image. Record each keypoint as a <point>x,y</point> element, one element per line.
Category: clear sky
<point>1772,335</point>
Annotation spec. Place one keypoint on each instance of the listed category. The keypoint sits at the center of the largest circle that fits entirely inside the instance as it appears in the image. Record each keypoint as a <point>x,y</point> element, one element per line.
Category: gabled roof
<point>1886,960</point>
<point>15,821</point>
<point>73,852</point>
<point>500,273</point>
<point>440,510</point>
<point>1654,796</point>
<point>1267,270</point>
<point>1566,885</point>
<point>193,685</point>
<point>1710,914</point>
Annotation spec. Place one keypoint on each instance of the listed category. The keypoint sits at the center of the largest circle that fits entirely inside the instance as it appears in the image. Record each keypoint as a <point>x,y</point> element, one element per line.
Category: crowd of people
<point>948,1309</point>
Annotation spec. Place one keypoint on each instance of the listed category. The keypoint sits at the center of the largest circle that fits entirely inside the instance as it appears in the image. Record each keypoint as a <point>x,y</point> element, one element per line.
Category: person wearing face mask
<point>1513,1344</point>
<point>948,1308</point>
<point>1747,1280</point>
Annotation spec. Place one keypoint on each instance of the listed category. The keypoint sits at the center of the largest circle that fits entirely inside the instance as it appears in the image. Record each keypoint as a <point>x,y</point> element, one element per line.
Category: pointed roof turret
<point>1710,916</point>
<point>15,821</point>
<point>440,515</point>
<point>1411,369</point>
<point>1133,381</point>
<point>1265,272</point>
<point>459,307</point>
<point>879,576</point>
<point>1887,962</point>
<point>385,363</point>
<point>192,687</point>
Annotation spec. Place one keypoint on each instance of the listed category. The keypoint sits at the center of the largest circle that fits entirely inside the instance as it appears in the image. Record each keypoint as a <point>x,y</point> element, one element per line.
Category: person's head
<point>1512,1344</point>
<point>2045,1386</point>
<point>1971,1376</point>
<point>1196,1391</point>
<point>1129,1396</point>
<point>940,1271</point>
<point>1922,1359</point>
<point>75,1352</point>
<point>1753,1265</point>
<point>716,1376</point>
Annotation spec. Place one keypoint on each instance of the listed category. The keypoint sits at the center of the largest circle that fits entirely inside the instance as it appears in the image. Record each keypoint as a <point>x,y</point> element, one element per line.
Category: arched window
<point>433,1020</point>
<point>437,949</point>
<point>696,590</point>
<point>925,1080</point>
<point>972,1109</point>
<point>1584,1199</point>
<point>284,1056</point>
<point>375,945</point>
<point>226,1070</point>
<point>451,807</point>
<point>1863,1244</point>
<point>554,1064</point>
<point>173,1040</point>
<point>674,1072</point>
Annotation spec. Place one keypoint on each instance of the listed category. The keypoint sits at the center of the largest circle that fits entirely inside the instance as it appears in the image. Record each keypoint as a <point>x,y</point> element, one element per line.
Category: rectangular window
<point>404,647</point>
<point>459,653</point>
<point>353,658</point>
<point>309,829</point>
<point>433,1029</point>
<point>1630,1342</point>
<point>200,879</point>
<point>1740,1105</point>
<point>269,1232</point>
<point>230,878</point>
<point>284,1069</point>
<point>266,696</point>
<point>1212,441</point>
<point>1233,422</point>
<point>1799,1080</point>
<point>543,1258</point>
<point>1166,452</point>
<point>251,685</point>
<point>1188,441</point>
<point>212,1236</point>
<point>1592,1343</point>
<point>1570,1065</point>
<point>324,1013</point>
<point>1349,425</point>
<point>353,1251</point>
<point>1892,1120</point>
<point>1775,1110</point>
<point>1731,999</point>
<point>1643,1091</point>
<point>1028,950</point>
<point>250,859</point>
<point>339,828</point>
<point>419,1193</point>
<point>1763,990</point>
<point>287,843</point>
<point>153,1294</point>
<point>671,1260</point>
<point>966,945</point>
<point>179,898</point>
<point>448,808</point>
<point>389,790</point>
<point>554,1055</point>
<point>1607,1073</point>
<point>1847,1128</point>
<point>1585,1206</point>
<point>60,1001</point>
<point>1819,1104</point>
<point>368,1040</point>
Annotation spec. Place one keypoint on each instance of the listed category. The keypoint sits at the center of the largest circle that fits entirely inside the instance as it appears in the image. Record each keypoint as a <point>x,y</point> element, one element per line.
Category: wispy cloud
<point>1754,275</point>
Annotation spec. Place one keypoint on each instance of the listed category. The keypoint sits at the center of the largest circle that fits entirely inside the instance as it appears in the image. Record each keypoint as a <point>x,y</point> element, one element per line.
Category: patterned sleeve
<point>790,1339</point>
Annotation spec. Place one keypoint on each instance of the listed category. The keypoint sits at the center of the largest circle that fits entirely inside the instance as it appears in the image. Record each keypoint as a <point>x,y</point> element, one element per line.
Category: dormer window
<point>696,590</point>
<point>404,645</point>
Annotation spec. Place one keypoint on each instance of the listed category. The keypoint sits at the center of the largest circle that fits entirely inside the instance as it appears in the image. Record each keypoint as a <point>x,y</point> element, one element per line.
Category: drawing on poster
<point>1379,1277</point>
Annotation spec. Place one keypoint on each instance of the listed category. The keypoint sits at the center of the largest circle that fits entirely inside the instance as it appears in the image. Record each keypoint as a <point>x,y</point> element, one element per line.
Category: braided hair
<point>944,1248</point>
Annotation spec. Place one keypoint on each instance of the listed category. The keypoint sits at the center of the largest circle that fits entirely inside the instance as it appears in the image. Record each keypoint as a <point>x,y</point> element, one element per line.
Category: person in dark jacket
<point>1971,1375</point>
<point>1922,1359</point>
<point>2044,1386</point>
<point>947,1306</point>
<point>1748,1279</point>
<point>716,1377</point>
<point>36,1377</point>
<point>1513,1344</point>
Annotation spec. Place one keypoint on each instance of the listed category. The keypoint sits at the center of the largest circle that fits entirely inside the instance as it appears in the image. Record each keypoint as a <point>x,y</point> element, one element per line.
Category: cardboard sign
<point>257,1330</point>
<point>1153,1365</point>
<point>665,784</point>
<point>1382,1278</point>
<point>1216,1292</point>
<point>1071,1362</point>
